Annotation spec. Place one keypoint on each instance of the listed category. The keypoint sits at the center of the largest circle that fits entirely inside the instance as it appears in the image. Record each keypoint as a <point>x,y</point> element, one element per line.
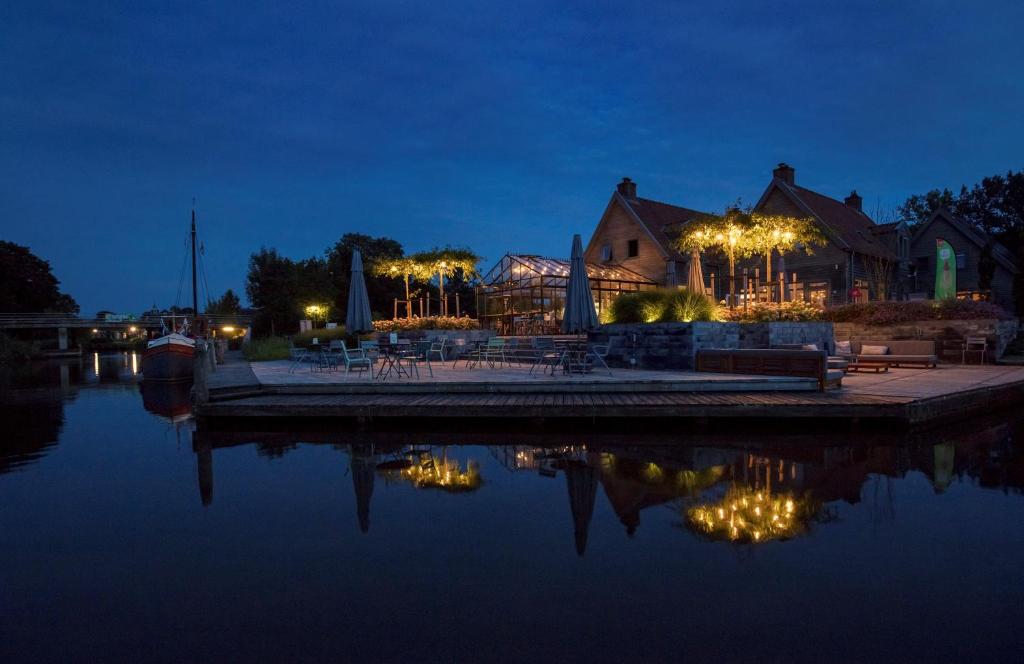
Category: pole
<point>195,293</point>
<point>408,303</point>
<point>442,308</point>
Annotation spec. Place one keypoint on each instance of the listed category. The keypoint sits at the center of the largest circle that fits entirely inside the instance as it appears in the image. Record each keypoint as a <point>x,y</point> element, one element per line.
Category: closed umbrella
<point>580,315</point>
<point>582,482</point>
<point>357,316</point>
<point>695,277</point>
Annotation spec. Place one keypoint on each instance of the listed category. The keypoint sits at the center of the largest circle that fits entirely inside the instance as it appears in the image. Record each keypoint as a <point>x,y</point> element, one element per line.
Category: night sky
<point>502,127</point>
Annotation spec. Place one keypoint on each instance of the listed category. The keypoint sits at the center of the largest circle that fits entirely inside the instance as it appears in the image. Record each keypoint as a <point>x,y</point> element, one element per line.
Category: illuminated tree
<point>447,262</point>
<point>405,268</point>
<point>728,233</point>
<point>768,233</point>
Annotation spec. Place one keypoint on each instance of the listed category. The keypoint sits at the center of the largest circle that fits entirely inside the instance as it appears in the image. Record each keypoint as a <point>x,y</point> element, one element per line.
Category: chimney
<point>627,188</point>
<point>785,173</point>
<point>854,200</point>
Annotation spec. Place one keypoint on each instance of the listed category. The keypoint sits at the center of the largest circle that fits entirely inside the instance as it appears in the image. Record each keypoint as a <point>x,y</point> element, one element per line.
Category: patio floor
<point>279,374</point>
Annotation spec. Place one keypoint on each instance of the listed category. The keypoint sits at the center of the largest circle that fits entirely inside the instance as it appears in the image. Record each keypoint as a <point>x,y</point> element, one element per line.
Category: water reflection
<point>740,495</point>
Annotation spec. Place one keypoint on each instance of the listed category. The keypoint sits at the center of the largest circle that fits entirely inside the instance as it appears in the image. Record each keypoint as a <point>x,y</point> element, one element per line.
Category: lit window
<point>633,249</point>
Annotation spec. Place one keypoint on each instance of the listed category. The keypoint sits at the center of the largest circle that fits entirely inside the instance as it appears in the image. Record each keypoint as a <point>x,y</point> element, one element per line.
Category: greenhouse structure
<point>524,295</point>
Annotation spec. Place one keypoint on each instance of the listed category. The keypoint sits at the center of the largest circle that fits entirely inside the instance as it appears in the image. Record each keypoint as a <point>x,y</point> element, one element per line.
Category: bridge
<point>62,323</point>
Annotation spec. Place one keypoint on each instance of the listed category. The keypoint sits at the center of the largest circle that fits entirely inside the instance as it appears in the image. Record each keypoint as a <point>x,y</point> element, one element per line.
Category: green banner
<point>945,270</point>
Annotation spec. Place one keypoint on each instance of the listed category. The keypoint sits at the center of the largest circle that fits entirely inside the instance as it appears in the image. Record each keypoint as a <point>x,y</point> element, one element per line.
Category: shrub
<point>426,323</point>
<point>669,305</point>
<point>268,348</point>
<point>894,313</point>
<point>322,334</point>
<point>765,312</point>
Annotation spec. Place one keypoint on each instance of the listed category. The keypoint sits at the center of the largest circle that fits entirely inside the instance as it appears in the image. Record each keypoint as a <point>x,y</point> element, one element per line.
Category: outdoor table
<point>391,356</point>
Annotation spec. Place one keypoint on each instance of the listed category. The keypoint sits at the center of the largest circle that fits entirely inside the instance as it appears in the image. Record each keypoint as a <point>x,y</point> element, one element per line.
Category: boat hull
<point>167,362</point>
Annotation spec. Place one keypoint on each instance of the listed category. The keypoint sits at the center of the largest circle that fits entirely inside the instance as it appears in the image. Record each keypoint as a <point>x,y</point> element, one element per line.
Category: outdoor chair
<point>458,350</point>
<point>371,348</point>
<point>494,351</point>
<point>356,358</point>
<point>297,355</point>
<point>977,345</point>
<point>545,354</point>
<point>599,354</point>
<point>437,347</point>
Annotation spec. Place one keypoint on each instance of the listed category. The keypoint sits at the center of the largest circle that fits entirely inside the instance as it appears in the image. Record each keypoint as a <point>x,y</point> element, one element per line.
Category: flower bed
<point>766,312</point>
<point>426,323</point>
<point>894,313</point>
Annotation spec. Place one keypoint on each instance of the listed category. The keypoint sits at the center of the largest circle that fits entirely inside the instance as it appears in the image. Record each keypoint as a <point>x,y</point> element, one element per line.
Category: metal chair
<point>356,358</point>
<point>494,350</point>
<point>974,345</point>
<point>599,353</point>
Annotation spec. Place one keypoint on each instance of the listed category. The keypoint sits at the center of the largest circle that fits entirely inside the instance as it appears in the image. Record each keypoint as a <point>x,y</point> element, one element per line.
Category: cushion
<point>873,350</point>
<point>843,348</point>
<point>809,347</point>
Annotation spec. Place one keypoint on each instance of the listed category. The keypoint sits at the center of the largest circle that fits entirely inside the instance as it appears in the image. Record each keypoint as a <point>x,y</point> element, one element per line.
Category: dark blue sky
<point>503,127</point>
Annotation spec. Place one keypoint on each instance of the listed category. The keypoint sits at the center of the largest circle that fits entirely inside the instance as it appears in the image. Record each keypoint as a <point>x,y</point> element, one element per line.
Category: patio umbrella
<point>579,301</point>
<point>362,479</point>
<point>357,316</point>
<point>582,482</point>
<point>695,277</point>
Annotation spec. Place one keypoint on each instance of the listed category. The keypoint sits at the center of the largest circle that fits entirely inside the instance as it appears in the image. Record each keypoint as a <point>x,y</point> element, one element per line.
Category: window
<point>606,252</point>
<point>904,248</point>
<point>961,261</point>
<point>633,249</point>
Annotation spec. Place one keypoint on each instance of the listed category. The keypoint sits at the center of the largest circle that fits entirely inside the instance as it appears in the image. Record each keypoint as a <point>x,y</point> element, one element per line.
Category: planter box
<point>675,345</point>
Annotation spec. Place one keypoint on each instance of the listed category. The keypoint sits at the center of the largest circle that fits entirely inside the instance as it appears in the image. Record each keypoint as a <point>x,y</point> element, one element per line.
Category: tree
<point>381,292</point>
<point>227,305</point>
<point>726,233</point>
<point>315,285</point>
<point>28,283</point>
<point>446,263</point>
<point>406,268</point>
<point>768,233</point>
<point>271,286</point>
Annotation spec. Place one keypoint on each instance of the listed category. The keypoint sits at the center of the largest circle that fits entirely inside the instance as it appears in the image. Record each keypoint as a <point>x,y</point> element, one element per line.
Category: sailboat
<point>170,357</point>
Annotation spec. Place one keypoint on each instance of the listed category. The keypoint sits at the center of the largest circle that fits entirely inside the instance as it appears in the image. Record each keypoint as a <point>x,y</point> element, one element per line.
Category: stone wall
<point>675,345</point>
<point>1001,332</point>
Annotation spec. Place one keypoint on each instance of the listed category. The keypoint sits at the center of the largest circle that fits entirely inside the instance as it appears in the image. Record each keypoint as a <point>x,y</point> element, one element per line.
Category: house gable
<point>618,226</point>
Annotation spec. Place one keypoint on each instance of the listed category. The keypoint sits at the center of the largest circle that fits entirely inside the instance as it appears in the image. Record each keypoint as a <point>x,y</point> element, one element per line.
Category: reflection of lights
<point>135,363</point>
<point>436,473</point>
<point>96,364</point>
<point>749,515</point>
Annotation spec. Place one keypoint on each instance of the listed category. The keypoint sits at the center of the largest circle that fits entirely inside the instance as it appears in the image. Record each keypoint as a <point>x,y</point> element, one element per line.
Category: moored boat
<point>168,358</point>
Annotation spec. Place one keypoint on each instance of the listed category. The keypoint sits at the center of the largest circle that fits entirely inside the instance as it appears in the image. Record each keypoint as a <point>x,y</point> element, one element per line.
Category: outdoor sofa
<point>771,362</point>
<point>879,355</point>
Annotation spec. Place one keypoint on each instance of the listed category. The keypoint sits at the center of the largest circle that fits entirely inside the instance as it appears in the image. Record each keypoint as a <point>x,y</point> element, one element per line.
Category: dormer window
<point>606,252</point>
<point>633,249</point>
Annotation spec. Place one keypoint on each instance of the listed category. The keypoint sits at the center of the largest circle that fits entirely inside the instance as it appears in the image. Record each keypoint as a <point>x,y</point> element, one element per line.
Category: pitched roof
<point>850,226</point>
<point>661,220</point>
<point>999,252</point>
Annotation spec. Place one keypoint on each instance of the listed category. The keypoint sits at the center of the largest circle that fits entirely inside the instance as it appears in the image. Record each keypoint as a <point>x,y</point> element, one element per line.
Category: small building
<point>639,234</point>
<point>525,294</point>
<point>984,267</point>
<point>860,258</point>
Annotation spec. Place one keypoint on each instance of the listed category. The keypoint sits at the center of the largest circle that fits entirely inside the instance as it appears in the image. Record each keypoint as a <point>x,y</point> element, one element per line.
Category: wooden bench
<point>770,362</point>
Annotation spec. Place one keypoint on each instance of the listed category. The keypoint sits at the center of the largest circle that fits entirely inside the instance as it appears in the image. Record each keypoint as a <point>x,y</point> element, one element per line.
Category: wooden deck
<point>906,396</point>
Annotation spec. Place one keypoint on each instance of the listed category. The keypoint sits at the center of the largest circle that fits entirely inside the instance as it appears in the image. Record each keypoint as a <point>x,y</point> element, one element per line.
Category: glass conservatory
<point>524,295</point>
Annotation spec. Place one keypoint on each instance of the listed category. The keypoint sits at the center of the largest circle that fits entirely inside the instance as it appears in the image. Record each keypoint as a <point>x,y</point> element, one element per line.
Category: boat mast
<point>195,298</point>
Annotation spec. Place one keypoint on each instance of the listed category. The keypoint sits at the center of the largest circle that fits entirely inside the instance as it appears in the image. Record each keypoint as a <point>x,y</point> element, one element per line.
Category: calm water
<point>125,534</point>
